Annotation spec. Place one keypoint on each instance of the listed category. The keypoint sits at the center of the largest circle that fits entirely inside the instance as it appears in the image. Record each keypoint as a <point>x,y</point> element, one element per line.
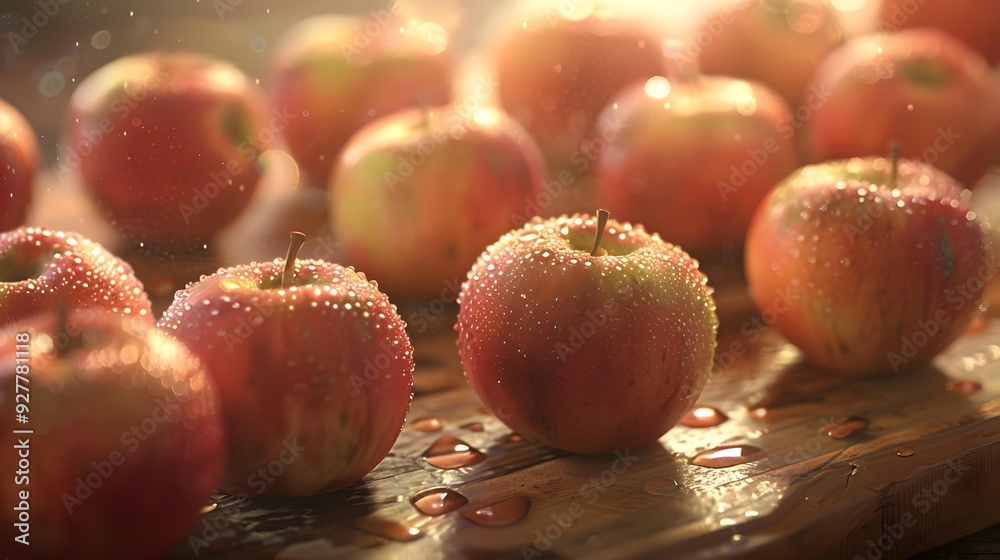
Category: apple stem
<point>895,149</point>
<point>296,239</point>
<point>602,222</point>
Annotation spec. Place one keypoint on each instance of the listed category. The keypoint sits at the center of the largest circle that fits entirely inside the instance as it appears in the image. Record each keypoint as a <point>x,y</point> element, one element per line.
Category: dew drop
<point>393,530</point>
<point>502,513</point>
<point>449,452</point>
<point>845,427</point>
<point>704,417</point>
<point>438,501</point>
<point>964,387</point>
<point>726,456</point>
<point>427,425</point>
<point>661,486</point>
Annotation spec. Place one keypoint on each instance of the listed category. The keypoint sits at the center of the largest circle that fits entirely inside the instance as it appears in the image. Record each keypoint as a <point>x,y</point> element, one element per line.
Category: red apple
<point>122,440</point>
<point>868,271</point>
<point>18,159</point>
<point>584,344</point>
<point>555,75</point>
<point>776,42</point>
<point>341,72</point>
<point>692,159</point>
<point>920,86</point>
<point>167,144</point>
<point>314,370</point>
<point>971,21</point>
<point>42,269</point>
<point>419,194</point>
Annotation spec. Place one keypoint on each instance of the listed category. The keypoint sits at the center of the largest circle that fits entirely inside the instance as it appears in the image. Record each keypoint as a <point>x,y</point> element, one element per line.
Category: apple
<point>122,441</point>
<point>920,86</point>
<point>555,75</point>
<point>417,195</point>
<point>18,160</point>
<point>167,144</point>
<point>776,42</point>
<point>41,269</point>
<point>869,267</point>
<point>693,158</point>
<point>337,73</point>
<point>971,21</point>
<point>587,341</point>
<point>314,370</point>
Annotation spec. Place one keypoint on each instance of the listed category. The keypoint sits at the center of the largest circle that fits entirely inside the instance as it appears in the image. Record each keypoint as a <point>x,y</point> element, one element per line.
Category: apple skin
<point>42,269</point>
<point>860,271</point>
<point>413,227</point>
<point>18,161</point>
<point>555,76</point>
<point>588,354</point>
<point>122,412</point>
<point>339,77</point>
<point>316,378</point>
<point>776,42</point>
<point>167,144</point>
<point>679,163</point>
<point>919,86</point>
<point>971,21</point>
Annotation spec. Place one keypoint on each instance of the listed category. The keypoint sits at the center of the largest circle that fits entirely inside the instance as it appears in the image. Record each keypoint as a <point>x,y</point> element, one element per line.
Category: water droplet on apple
<point>438,501</point>
<point>502,513</point>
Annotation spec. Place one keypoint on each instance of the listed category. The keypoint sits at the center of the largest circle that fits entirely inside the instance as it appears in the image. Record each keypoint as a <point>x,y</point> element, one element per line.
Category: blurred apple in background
<point>313,366</point>
<point>920,86</point>
<point>586,344</point>
<point>974,22</point>
<point>126,439</point>
<point>41,270</point>
<point>866,269</point>
<point>337,73</point>
<point>694,157</point>
<point>776,42</point>
<point>18,159</point>
<point>555,75</point>
<point>167,144</point>
<point>418,195</point>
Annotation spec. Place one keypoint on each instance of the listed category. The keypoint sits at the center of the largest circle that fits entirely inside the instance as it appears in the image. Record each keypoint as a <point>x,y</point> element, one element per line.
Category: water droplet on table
<point>449,452</point>
<point>393,530</point>
<point>661,486</point>
<point>438,501</point>
<point>845,427</point>
<point>502,513</point>
<point>704,417</point>
<point>427,425</point>
<point>726,456</point>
